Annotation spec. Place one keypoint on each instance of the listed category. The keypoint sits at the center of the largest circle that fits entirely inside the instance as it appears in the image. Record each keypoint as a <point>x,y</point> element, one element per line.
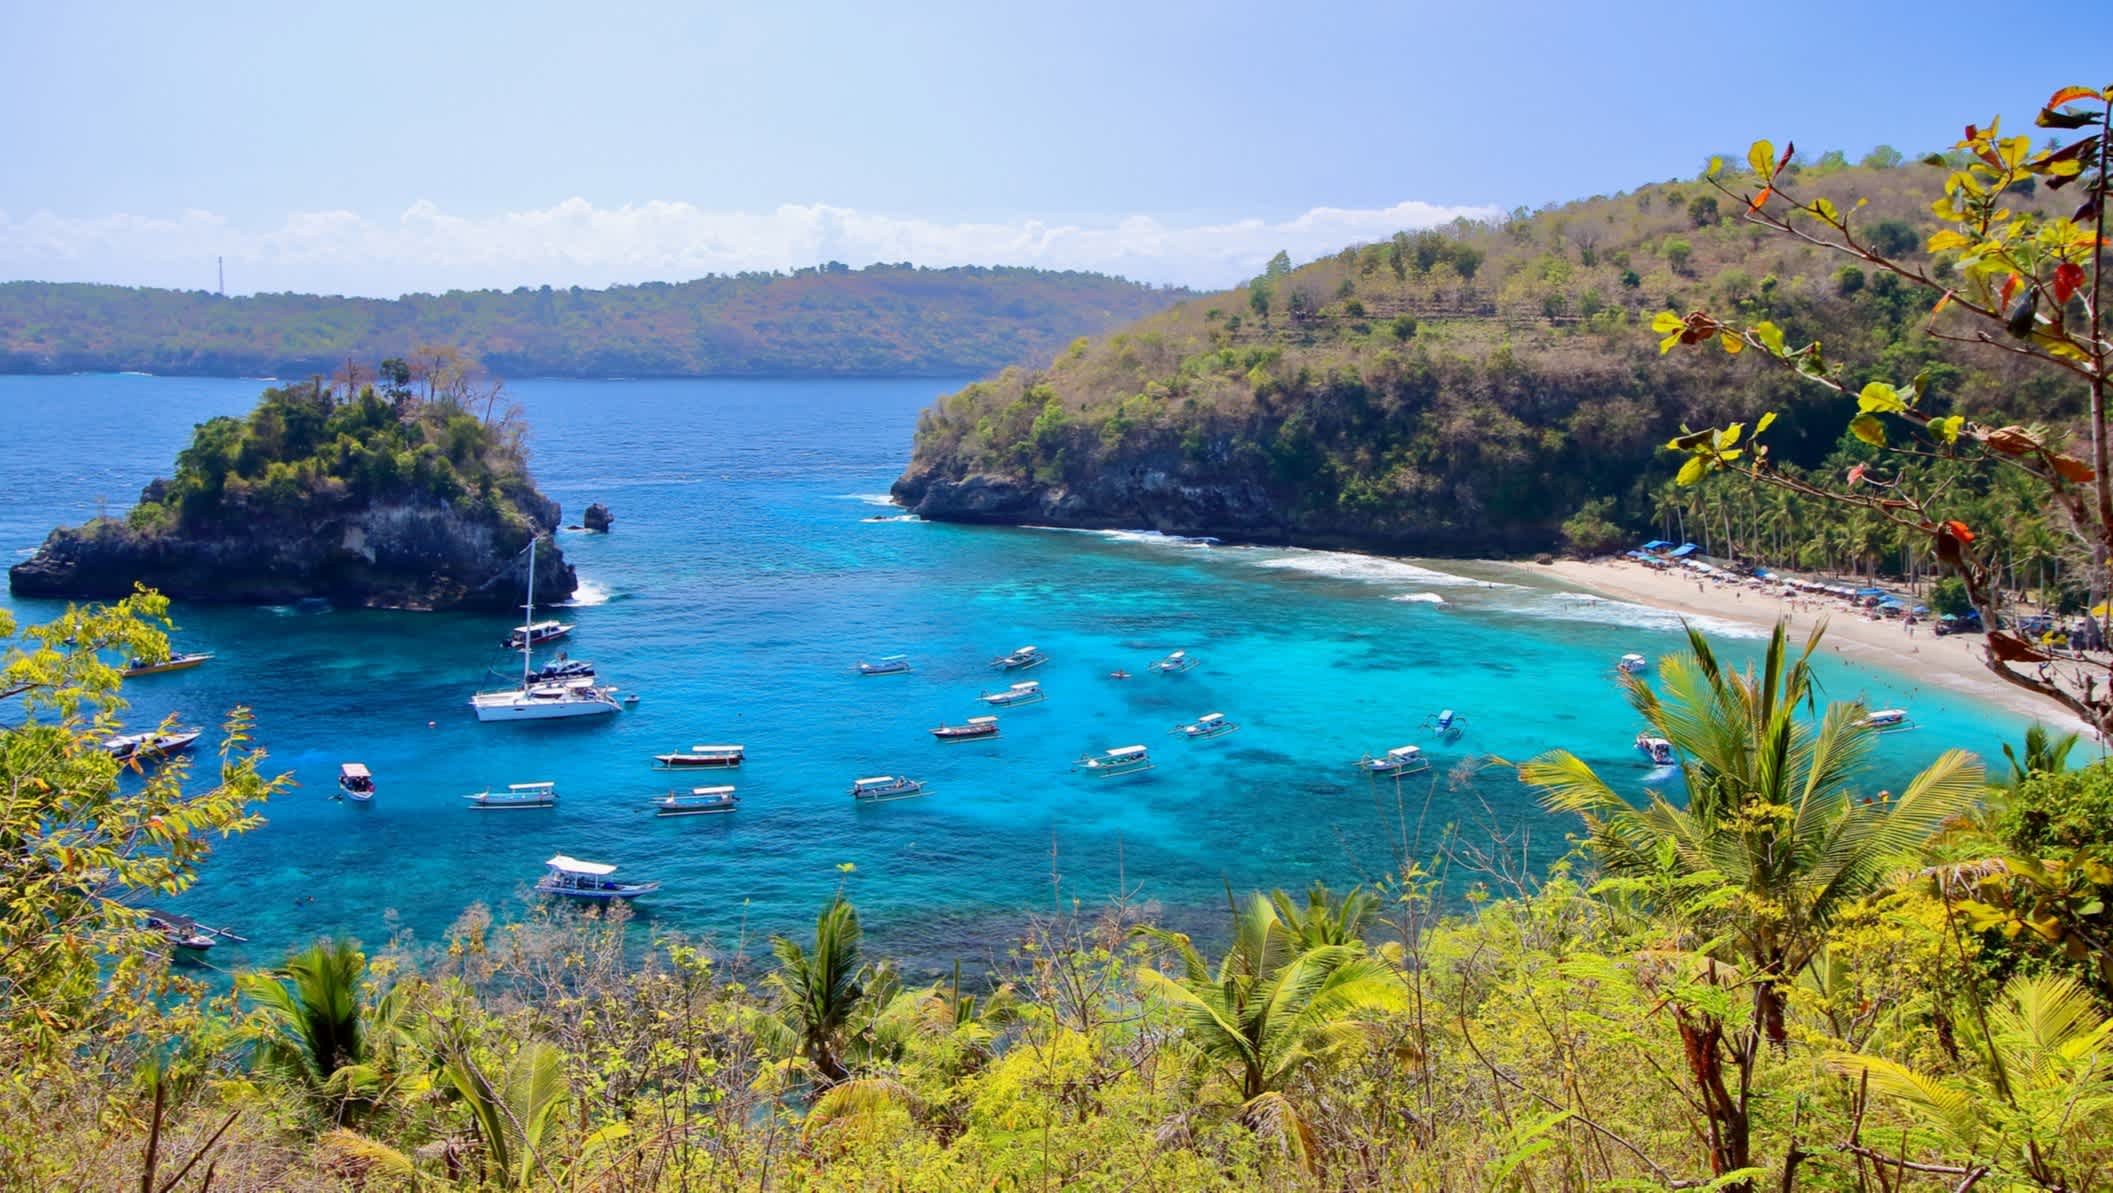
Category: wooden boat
<point>1633,664</point>
<point>1887,720</point>
<point>1176,663</point>
<point>1021,659</point>
<point>1025,692</point>
<point>175,662</point>
<point>1109,764</point>
<point>881,788</point>
<point>701,756</point>
<point>894,664</point>
<point>516,795</point>
<point>356,781</point>
<point>971,730</point>
<point>701,801</point>
<point>1446,722</point>
<point>571,878</point>
<point>183,932</point>
<point>1209,725</point>
<point>1657,749</point>
<point>535,633</point>
<point>1401,760</point>
<point>143,747</point>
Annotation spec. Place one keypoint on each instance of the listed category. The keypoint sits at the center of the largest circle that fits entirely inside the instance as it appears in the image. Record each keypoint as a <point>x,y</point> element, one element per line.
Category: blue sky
<point>381,147</point>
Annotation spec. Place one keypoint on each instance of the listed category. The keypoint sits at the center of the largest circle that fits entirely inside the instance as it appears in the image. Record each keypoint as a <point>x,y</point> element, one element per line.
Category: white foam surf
<point>1598,610</point>
<point>868,498</point>
<point>1151,538</point>
<point>1347,565</point>
<point>1419,598</point>
<point>588,593</point>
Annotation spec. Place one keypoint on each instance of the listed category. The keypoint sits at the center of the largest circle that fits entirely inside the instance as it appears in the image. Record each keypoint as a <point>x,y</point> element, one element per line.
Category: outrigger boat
<point>141,747</point>
<point>1025,692</point>
<point>575,879</point>
<point>1887,720</point>
<point>701,756</point>
<point>535,633</point>
<point>1109,764</point>
<point>1175,664</point>
<point>971,730</point>
<point>183,932</point>
<point>894,664</point>
<point>881,788</point>
<point>175,662</point>
<point>1633,664</point>
<point>1210,724</point>
<point>1021,659</point>
<point>516,795</point>
<point>1447,722</point>
<point>1401,760</point>
<point>701,801</point>
<point>1657,749</point>
<point>356,781</point>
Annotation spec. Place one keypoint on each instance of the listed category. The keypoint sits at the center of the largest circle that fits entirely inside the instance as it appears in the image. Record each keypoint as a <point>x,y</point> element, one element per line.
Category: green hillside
<point>892,319</point>
<point>1453,391</point>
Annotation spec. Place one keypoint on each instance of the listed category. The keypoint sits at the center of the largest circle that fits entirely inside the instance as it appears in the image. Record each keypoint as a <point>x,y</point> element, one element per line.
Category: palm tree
<point>2045,753</point>
<point>317,1032</point>
<point>821,990</point>
<point>1326,919</point>
<point>1272,1007</point>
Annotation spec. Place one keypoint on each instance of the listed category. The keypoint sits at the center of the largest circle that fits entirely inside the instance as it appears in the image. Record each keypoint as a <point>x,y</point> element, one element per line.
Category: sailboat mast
<point>528,623</point>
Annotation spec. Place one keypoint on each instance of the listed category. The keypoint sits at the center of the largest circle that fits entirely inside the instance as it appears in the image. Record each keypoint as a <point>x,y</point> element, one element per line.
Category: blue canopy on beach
<point>1870,592</point>
<point>1683,550</point>
<point>1656,545</point>
<point>1891,602</point>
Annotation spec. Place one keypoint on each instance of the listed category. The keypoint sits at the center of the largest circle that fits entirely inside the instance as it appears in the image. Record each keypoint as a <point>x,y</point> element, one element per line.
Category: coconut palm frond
<point>861,1099</point>
<point>1569,784</point>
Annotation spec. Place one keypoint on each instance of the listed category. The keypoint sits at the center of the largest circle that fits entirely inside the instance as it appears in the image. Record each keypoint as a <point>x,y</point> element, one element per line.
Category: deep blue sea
<point>753,563</point>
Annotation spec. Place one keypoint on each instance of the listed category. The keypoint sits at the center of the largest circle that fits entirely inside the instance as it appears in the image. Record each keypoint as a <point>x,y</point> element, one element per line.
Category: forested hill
<point>884,319</point>
<point>1457,391</point>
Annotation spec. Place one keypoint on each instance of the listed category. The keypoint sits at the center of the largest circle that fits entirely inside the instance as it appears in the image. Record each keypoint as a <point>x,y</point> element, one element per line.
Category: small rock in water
<point>598,518</point>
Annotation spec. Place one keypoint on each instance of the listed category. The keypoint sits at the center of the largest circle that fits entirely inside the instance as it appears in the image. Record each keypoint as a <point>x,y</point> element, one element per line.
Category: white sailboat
<point>534,701</point>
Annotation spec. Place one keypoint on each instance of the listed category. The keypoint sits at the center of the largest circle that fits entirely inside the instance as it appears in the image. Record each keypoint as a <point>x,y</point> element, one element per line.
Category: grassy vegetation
<point>891,319</point>
<point>1772,976</point>
<point>1476,387</point>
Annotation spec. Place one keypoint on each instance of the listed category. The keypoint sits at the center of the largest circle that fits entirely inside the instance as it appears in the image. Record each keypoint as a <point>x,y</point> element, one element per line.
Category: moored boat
<point>515,796</point>
<point>356,782</point>
<point>1633,664</point>
<point>1209,725</point>
<point>175,662</point>
<point>1176,663</point>
<point>1446,722</point>
<point>701,801</point>
<point>1401,760</point>
<point>1657,749</point>
<point>1025,692</point>
<point>1110,764</point>
<point>572,696</point>
<point>142,747</point>
<point>970,730</point>
<point>700,757</point>
<point>894,664</point>
<point>1021,659</point>
<point>1887,720</point>
<point>183,932</point>
<point>880,788</point>
<point>535,633</point>
<point>571,878</point>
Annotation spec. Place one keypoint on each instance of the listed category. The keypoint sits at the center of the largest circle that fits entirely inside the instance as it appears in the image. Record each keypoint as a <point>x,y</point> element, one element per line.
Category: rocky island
<point>385,499</point>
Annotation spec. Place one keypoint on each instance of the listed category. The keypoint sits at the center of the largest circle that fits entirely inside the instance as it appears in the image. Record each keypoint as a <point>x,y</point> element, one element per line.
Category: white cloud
<point>576,243</point>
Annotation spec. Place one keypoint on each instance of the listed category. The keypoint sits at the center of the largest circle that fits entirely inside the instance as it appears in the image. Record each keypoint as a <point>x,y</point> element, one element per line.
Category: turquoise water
<point>753,563</point>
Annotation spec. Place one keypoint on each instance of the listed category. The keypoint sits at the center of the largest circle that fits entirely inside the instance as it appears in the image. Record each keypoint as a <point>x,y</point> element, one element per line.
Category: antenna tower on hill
<point>220,263</point>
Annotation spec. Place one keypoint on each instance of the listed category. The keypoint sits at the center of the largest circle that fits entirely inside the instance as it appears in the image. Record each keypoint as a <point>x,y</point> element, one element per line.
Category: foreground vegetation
<point>1769,974</point>
<point>892,319</point>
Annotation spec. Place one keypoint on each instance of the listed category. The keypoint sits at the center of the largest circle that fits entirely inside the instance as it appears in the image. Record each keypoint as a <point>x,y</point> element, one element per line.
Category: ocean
<point>754,561</point>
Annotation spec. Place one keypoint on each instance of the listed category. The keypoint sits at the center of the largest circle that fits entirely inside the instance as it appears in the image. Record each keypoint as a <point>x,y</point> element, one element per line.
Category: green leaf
<point>1728,438</point>
<point>1948,427</point>
<point>1762,157</point>
<point>1692,471</point>
<point>1867,428</point>
<point>1715,164</point>
<point>1762,425</point>
<point>1880,398</point>
<point>1770,335</point>
<point>1826,210</point>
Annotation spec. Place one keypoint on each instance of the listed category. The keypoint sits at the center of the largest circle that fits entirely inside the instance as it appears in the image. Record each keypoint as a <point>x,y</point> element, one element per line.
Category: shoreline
<point>1953,662</point>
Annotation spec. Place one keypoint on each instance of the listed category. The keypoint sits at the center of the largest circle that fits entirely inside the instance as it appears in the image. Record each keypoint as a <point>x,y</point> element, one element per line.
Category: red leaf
<point>2068,279</point>
<point>1856,474</point>
<point>1789,147</point>
<point>1760,198</point>
<point>2069,93</point>
<point>2010,287</point>
<point>1959,531</point>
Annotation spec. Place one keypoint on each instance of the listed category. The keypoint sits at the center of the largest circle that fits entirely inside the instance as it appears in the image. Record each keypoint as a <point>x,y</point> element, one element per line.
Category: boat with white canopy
<point>701,801</point>
<point>535,633</point>
<point>974,729</point>
<point>700,757</point>
<point>894,664</point>
<point>356,781</point>
<point>571,878</point>
<point>1021,659</point>
<point>526,796</point>
<point>1209,725</point>
<point>1633,664</point>
<point>1887,720</point>
<point>1025,692</point>
<point>1110,764</point>
<point>1657,749</point>
<point>144,747</point>
<point>1176,663</point>
<point>881,788</point>
<point>1401,760</point>
<point>533,701</point>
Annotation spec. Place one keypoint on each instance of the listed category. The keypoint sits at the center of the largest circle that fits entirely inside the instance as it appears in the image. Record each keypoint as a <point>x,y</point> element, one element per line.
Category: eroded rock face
<point>598,518</point>
<point>385,555</point>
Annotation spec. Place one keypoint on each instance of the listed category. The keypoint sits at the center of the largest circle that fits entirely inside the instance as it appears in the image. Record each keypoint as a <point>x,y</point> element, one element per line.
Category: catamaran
<point>1657,749</point>
<point>575,879</point>
<point>894,664</point>
<point>356,781</point>
<point>1633,664</point>
<point>1401,760</point>
<point>973,728</point>
<point>533,701</point>
<point>516,795</point>
<point>1021,659</point>
<point>1025,692</point>
<point>700,756</point>
<point>129,747</point>
<point>701,801</point>
<point>1175,664</point>
<point>1209,725</point>
<point>881,788</point>
<point>535,633</point>
<point>175,662</point>
<point>1109,764</point>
